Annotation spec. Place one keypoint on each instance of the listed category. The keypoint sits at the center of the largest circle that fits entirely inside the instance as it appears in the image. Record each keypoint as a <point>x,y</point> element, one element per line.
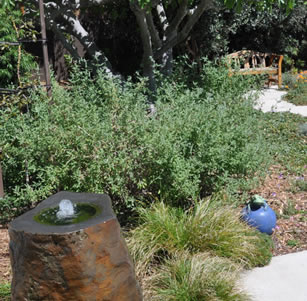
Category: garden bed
<point>284,193</point>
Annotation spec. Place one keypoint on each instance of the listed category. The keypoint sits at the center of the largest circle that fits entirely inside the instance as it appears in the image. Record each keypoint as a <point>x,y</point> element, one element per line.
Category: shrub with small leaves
<point>97,137</point>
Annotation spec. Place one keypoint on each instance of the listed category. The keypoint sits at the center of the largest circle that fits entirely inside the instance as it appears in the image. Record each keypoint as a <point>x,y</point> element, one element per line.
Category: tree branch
<point>181,13</point>
<point>73,51</point>
<point>148,69</point>
<point>167,57</point>
<point>156,41</point>
<point>75,28</point>
<point>162,18</point>
<point>85,3</point>
<point>183,34</point>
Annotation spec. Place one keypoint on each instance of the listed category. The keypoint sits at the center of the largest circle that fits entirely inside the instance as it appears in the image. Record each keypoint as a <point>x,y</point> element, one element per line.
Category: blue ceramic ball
<point>263,218</point>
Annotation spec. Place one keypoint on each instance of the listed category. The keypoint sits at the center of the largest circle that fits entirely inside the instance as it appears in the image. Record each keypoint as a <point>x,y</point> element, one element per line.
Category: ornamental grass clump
<point>165,230</point>
<point>197,277</point>
<point>194,254</point>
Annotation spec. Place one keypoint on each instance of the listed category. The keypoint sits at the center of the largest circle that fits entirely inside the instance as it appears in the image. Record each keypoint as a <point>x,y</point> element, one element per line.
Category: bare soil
<point>282,194</point>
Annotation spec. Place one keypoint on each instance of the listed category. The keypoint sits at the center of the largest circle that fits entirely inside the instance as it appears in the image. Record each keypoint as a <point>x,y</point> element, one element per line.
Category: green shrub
<point>12,28</point>
<point>165,230</point>
<point>298,96</point>
<point>221,30</point>
<point>96,137</point>
<point>198,277</point>
<point>272,31</point>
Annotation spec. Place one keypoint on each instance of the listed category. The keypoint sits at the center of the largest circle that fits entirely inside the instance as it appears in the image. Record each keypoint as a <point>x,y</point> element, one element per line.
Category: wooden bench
<point>253,62</point>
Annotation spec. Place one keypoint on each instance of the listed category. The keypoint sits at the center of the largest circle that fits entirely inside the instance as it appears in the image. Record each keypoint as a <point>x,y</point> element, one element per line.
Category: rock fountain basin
<point>71,251</point>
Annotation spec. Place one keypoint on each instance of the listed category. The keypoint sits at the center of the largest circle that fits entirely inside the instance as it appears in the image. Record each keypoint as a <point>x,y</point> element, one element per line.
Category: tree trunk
<point>71,24</point>
<point>174,36</point>
<point>148,62</point>
<point>167,57</point>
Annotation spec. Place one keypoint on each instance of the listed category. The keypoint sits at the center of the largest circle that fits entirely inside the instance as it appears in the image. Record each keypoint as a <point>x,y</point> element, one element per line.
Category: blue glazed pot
<point>263,218</point>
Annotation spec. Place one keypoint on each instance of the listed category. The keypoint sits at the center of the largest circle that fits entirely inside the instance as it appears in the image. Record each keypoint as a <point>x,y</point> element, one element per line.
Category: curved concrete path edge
<point>284,279</point>
<point>270,100</point>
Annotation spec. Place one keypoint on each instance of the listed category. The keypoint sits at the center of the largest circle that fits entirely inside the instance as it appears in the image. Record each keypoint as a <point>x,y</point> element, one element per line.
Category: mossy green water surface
<point>83,212</point>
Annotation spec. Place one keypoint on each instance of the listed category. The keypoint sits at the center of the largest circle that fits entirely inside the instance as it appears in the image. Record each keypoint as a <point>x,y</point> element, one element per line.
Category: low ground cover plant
<point>287,142</point>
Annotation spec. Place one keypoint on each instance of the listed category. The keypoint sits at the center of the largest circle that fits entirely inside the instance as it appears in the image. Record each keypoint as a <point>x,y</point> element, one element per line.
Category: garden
<point>178,177</point>
<point>177,180</point>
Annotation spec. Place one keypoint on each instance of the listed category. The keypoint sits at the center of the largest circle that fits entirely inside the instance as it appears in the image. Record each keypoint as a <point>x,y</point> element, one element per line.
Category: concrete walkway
<point>270,100</point>
<point>284,279</point>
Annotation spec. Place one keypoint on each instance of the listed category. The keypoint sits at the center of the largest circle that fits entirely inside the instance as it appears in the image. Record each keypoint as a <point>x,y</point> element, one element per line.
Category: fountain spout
<point>66,209</point>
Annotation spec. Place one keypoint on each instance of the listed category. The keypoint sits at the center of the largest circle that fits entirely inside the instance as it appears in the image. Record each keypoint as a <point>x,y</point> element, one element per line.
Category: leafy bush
<point>289,80</point>
<point>195,278</point>
<point>14,60</point>
<point>273,31</point>
<point>210,35</point>
<point>203,228</point>
<point>96,137</point>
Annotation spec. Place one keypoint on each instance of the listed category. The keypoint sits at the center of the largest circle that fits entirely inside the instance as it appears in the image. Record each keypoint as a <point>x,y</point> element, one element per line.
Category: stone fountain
<point>70,247</point>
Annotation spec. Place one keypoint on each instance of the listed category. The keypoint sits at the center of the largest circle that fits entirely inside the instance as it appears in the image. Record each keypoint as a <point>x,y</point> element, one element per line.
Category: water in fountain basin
<point>67,213</point>
<point>66,209</point>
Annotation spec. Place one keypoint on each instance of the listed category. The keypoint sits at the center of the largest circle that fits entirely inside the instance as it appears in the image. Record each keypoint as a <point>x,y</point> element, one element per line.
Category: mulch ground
<point>278,189</point>
<point>5,268</point>
<point>283,194</point>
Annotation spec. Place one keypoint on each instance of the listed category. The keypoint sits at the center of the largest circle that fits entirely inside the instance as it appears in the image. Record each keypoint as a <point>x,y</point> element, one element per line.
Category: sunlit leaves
<point>264,4</point>
<point>7,3</point>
